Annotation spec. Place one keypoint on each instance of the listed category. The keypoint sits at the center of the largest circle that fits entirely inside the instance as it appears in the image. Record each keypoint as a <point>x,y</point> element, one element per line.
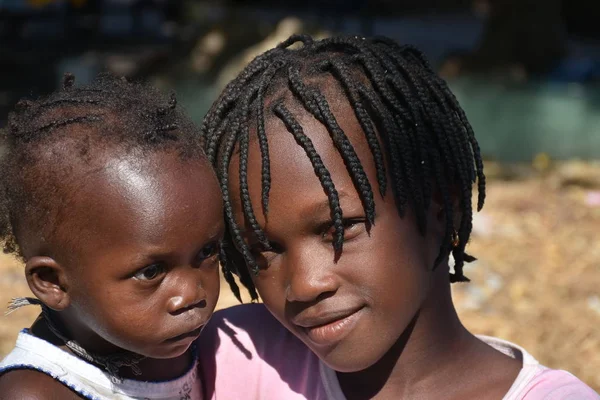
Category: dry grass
<point>538,276</point>
<point>536,282</point>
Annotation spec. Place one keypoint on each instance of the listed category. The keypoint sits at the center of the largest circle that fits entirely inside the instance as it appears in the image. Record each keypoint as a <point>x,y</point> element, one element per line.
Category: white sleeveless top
<point>91,382</point>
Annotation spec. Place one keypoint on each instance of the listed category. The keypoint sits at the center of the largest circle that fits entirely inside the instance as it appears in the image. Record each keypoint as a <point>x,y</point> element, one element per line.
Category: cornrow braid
<point>334,202</point>
<point>262,136</point>
<point>416,131</point>
<point>76,105</point>
<point>344,75</point>
<point>317,105</point>
<point>222,171</point>
<point>108,111</point>
<point>389,133</point>
<point>247,204</point>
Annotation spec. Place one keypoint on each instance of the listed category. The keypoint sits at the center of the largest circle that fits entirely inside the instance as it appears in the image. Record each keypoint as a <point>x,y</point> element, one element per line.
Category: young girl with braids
<point>110,201</point>
<point>346,167</point>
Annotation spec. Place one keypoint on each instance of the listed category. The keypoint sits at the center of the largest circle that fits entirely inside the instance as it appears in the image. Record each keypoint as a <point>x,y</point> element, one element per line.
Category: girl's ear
<point>438,205</point>
<point>48,282</point>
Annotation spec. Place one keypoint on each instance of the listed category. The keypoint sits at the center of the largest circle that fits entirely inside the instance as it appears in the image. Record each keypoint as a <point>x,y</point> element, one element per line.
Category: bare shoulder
<point>28,384</point>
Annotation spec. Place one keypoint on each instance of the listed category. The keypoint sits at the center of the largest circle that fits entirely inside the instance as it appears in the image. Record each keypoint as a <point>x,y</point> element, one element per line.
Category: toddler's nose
<point>188,293</point>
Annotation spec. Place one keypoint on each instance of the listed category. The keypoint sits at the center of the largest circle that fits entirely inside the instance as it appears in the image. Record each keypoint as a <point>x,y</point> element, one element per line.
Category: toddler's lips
<point>191,336</point>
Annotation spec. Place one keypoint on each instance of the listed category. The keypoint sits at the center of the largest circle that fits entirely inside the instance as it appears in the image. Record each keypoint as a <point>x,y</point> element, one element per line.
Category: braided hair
<point>412,123</point>
<point>82,121</point>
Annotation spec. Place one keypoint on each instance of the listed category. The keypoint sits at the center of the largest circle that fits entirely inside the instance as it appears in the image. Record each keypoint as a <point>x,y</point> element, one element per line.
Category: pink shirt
<point>247,354</point>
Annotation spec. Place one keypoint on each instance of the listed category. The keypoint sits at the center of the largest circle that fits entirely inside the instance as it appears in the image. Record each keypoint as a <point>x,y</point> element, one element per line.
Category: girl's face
<point>144,274</point>
<point>352,312</point>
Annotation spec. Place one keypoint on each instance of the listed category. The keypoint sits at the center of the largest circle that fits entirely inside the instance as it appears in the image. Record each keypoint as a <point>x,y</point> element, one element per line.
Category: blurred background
<point>527,73</point>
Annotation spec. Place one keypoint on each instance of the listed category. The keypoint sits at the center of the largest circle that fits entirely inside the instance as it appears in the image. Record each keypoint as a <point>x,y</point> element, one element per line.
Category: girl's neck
<point>151,369</point>
<point>426,354</point>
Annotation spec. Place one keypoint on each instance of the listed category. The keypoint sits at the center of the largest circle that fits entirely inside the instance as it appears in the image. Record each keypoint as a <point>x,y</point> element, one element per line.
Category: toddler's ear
<point>48,282</point>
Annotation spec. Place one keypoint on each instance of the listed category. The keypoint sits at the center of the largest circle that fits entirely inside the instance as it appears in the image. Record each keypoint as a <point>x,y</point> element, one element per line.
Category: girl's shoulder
<point>247,317</point>
<point>245,352</point>
<point>537,382</point>
<point>248,329</point>
<point>552,384</point>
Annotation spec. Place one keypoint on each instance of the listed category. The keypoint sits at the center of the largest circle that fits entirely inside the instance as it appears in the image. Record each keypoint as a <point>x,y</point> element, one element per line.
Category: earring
<point>455,240</point>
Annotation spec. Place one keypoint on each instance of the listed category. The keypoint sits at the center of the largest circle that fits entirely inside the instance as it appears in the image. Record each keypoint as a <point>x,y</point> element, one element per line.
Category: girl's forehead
<point>319,134</point>
<point>292,172</point>
<point>344,115</point>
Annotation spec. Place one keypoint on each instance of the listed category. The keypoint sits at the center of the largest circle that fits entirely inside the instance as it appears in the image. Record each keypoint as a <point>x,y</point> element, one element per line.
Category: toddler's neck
<point>149,369</point>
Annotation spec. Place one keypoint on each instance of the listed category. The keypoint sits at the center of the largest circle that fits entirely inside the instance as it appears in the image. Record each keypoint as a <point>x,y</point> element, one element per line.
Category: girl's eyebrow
<point>246,234</point>
<point>317,209</point>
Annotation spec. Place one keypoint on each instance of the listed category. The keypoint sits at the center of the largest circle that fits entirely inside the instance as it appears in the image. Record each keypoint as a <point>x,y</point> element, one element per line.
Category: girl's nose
<point>309,277</point>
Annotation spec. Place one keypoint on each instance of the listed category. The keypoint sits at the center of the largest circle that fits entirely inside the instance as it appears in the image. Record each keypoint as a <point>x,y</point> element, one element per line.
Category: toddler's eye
<point>150,272</point>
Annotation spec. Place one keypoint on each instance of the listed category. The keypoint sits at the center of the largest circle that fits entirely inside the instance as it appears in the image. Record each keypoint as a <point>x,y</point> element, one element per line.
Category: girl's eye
<point>352,228</point>
<point>208,251</point>
<point>149,273</point>
<point>263,256</point>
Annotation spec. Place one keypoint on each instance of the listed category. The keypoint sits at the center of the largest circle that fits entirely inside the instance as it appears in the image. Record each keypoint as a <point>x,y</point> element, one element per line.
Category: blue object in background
<point>575,69</point>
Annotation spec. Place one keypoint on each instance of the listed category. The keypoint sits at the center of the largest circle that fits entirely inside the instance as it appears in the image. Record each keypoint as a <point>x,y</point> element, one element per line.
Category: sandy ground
<point>536,282</point>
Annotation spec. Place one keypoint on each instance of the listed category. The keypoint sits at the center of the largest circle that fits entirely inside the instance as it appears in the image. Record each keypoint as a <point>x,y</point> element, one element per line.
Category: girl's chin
<point>347,361</point>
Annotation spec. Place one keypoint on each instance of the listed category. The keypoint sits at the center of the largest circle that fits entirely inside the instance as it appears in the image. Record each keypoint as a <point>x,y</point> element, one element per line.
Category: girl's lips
<point>333,331</point>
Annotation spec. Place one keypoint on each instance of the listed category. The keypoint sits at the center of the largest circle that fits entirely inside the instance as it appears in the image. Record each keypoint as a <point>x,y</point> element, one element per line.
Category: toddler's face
<point>144,274</point>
